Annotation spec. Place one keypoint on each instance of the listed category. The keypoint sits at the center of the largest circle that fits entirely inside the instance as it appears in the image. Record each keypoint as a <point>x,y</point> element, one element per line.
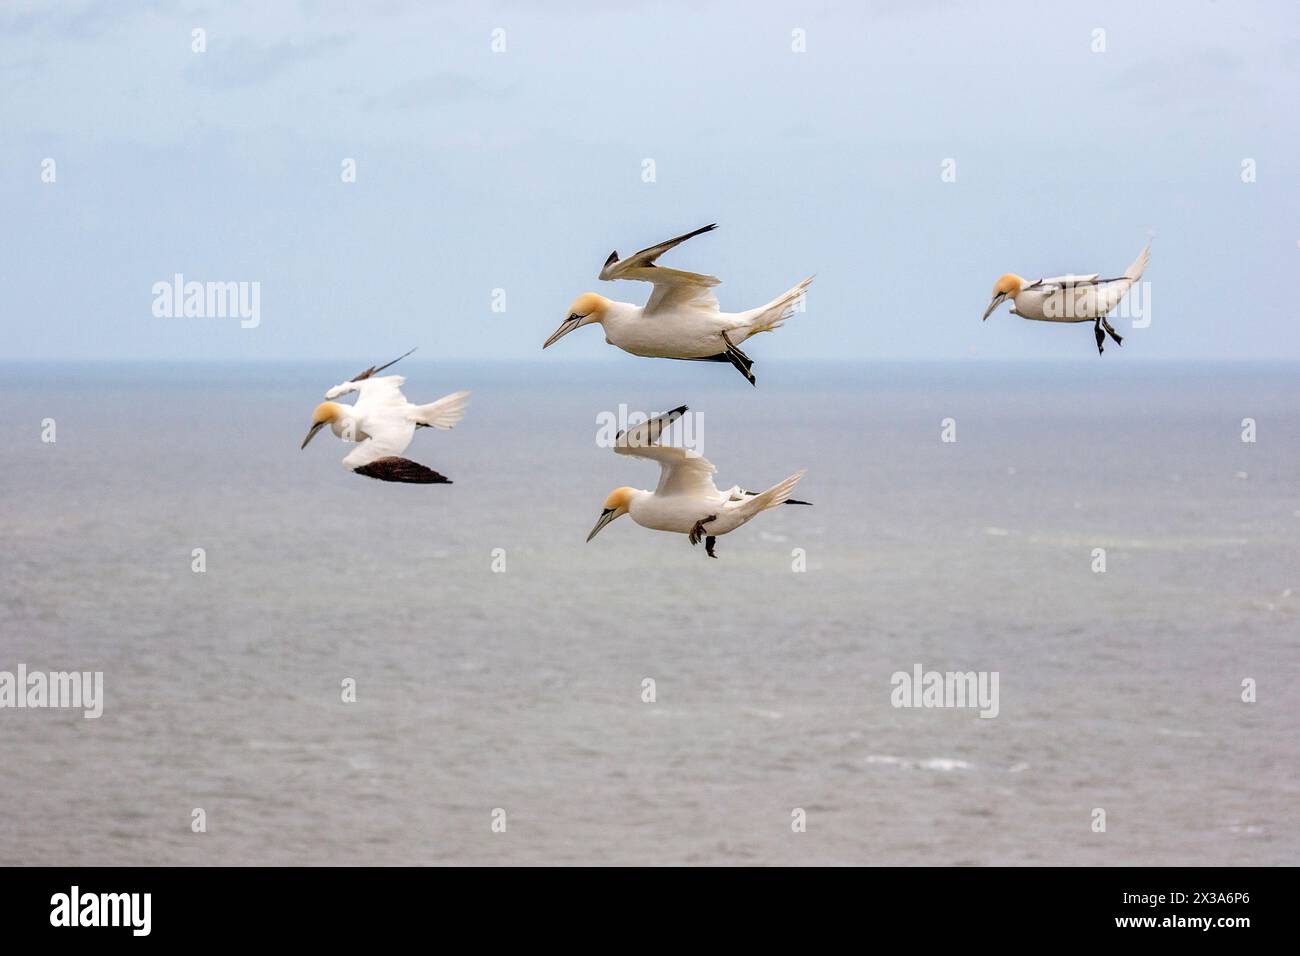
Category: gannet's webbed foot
<point>709,542</point>
<point>739,359</point>
<point>1101,338</point>
<point>697,532</point>
<point>1113,334</point>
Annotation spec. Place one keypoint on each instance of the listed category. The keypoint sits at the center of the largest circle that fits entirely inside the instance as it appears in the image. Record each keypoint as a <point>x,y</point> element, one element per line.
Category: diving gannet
<point>384,422</point>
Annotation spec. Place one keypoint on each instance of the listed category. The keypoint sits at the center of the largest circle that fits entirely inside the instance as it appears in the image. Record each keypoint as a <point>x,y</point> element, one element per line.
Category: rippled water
<point>522,690</point>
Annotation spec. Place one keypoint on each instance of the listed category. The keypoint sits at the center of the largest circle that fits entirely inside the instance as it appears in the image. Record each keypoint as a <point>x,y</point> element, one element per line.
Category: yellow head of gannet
<point>616,505</point>
<point>586,309</point>
<point>326,412</point>
<point>1008,285</point>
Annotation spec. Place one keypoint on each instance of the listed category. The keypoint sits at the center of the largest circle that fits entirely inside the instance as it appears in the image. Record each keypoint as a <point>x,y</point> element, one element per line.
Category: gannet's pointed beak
<point>312,434</point>
<point>567,326</point>
<point>997,301</point>
<point>606,516</point>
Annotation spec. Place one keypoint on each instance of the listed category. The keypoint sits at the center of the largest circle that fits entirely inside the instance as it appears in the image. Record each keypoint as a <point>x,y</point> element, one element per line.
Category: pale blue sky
<point>522,170</point>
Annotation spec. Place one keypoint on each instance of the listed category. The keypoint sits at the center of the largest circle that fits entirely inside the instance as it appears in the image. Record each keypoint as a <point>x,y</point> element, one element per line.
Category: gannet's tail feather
<point>444,413</point>
<point>1134,271</point>
<point>777,495</point>
<point>768,317</point>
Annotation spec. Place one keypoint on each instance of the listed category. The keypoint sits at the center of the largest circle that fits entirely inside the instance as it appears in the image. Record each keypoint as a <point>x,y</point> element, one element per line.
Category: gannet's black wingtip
<point>373,369</point>
<point>404,470</point>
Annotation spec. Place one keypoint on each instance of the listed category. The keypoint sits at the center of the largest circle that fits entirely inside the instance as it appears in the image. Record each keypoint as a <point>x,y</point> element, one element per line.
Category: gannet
<point>1083,298</point>
<point>686,500</point>
<point>384,423</point>
<point>681,320</point>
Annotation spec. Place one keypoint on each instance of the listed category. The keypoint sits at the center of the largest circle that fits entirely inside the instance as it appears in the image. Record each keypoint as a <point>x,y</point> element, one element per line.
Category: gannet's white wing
<point>351,385</point>
<point>681,471</point>
<point>377,388</point>
<point>1069,280</point>
<point>673,288</point>
<point>377,393</point>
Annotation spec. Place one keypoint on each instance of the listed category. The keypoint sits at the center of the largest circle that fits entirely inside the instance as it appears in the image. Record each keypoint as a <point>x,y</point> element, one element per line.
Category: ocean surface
<point>522,690</point>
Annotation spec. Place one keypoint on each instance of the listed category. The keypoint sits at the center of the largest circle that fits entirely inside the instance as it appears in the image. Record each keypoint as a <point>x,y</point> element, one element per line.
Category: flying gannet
<point>686,500</point>
<point>681,320</point>
<point>384,423</point>
<point>1082,298</point>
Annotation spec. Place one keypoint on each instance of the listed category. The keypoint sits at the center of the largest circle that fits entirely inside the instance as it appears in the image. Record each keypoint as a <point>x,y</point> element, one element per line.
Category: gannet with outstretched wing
<point>1082,298</point>
<point>686,500</point>
<point>681,319</point>
<point>384,422</point>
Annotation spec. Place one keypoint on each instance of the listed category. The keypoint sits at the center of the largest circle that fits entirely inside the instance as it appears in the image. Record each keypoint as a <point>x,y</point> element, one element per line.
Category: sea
<point>305,666</point>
